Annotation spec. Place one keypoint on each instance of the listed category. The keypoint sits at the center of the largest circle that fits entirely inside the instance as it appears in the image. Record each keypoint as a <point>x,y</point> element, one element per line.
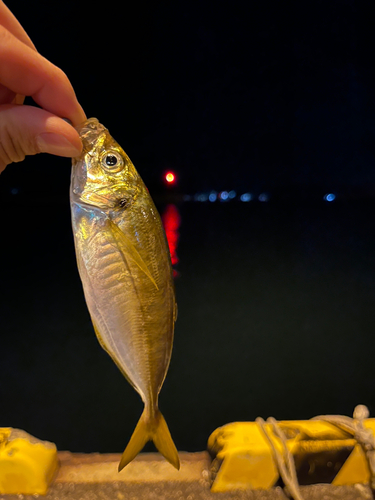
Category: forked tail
<point>151,428</point>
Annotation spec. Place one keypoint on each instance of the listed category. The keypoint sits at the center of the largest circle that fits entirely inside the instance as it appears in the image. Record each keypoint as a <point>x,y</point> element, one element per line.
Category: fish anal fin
<point>102,344</point>
<point>151,429</point>
<point>99,337</point>
<point>128,250</point>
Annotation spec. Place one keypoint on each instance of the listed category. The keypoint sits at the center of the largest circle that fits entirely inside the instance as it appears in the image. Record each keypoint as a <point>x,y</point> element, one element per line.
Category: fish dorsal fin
<point>128,250</point>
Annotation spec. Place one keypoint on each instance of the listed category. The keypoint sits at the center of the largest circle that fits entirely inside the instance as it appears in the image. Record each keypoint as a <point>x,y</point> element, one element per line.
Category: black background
<point>276,299</point>
<point>266,93</point>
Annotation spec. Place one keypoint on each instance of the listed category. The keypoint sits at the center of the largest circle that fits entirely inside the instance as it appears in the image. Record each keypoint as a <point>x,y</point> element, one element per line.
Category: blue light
<point>246,197</point>
<point>14,190</point>
<point>232,194</point>
<point>329,197</point>
<point>224,195</point>
<point>212,196</point>
<point>201,197</point>
<point>263,197</point>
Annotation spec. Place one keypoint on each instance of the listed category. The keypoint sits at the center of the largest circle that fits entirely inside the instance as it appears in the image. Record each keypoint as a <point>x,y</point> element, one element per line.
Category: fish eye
<point>112,161</point>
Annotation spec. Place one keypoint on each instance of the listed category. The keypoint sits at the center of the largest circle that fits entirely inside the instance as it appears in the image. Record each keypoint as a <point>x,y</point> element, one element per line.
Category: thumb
<point>27,130</point>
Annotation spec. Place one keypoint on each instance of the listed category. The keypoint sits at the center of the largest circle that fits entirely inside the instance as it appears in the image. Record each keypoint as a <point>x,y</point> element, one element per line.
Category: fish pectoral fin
<point>151,429</point>
<point>128,250</point>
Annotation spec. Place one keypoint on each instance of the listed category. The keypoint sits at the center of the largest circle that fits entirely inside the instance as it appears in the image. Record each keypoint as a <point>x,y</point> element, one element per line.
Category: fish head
<point>103,175</point>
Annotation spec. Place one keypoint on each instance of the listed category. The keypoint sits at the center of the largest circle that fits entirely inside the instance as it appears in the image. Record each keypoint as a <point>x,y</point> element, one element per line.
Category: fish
<point>125,268</point>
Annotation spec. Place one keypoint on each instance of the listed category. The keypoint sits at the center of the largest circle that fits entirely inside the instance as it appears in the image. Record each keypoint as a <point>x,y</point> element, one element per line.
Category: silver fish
<point>125,268</point>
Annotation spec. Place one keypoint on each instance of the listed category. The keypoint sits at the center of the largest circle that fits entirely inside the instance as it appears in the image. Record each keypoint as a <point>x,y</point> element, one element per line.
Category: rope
<point>284,460</point>
<point>363,436</point>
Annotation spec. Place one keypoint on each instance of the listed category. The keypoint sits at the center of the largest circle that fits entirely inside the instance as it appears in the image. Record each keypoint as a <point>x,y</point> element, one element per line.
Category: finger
<point>9,22</point>
<point>27,130</point>
<point>7,95</point>
<point>26,72</point>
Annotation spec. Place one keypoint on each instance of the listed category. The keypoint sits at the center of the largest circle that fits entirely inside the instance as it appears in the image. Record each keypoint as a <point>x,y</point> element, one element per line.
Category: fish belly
<point>132,317</point>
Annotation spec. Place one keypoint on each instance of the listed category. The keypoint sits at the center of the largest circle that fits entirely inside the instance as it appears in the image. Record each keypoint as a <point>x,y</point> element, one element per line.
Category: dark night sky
<point>272,95</point>
<point>276,300</point>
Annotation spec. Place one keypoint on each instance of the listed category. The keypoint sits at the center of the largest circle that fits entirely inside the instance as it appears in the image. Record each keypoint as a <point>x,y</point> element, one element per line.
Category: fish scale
<point>126,273</point>
<point>102,252</point>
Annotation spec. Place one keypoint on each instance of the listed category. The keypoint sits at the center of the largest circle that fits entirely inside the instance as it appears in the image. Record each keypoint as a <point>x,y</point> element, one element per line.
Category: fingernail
<point>56,144</point>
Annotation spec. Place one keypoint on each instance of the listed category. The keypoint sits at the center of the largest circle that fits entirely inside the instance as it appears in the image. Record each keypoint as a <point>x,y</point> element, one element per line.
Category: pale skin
<point>28,130</point>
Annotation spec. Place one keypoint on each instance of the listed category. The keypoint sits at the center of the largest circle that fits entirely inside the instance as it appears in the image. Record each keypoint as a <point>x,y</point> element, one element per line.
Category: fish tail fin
<point>139,438</point>
<point>151,429</point>
<point>163,441</point>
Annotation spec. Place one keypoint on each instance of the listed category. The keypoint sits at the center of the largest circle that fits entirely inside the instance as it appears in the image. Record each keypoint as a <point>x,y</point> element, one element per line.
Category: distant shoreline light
<point>329,197</point>
<point>226,196</point>
<point>246,197</point>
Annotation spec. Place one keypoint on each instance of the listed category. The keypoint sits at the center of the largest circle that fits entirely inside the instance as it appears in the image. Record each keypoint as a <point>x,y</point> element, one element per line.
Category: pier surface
<point>150,477</point>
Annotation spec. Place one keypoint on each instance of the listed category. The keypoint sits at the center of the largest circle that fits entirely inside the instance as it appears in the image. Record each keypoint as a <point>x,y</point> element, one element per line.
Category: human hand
<point>28,130</point>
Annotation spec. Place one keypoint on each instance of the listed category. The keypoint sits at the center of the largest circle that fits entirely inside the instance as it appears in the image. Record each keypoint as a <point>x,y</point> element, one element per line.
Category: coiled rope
<point>284,458</point>
<point>363,436</point>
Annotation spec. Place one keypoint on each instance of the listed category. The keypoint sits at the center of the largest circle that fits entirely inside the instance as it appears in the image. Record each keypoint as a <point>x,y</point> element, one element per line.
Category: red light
<point>171,221</point>
<point>170,177</point>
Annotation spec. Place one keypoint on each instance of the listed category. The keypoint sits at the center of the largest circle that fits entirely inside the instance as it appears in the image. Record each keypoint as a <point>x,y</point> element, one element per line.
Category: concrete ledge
<point>150,477</point>
<point>145,468</point>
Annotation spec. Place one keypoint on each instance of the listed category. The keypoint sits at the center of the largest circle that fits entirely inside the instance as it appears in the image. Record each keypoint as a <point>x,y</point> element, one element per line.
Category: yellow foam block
<point>27,465</point>
<point>355,469</point>
<point>243,457</point>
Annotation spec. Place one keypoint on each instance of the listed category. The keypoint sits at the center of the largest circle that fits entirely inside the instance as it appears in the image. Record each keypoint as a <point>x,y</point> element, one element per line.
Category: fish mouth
<point>78,177</point>
<point>89,132</point>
